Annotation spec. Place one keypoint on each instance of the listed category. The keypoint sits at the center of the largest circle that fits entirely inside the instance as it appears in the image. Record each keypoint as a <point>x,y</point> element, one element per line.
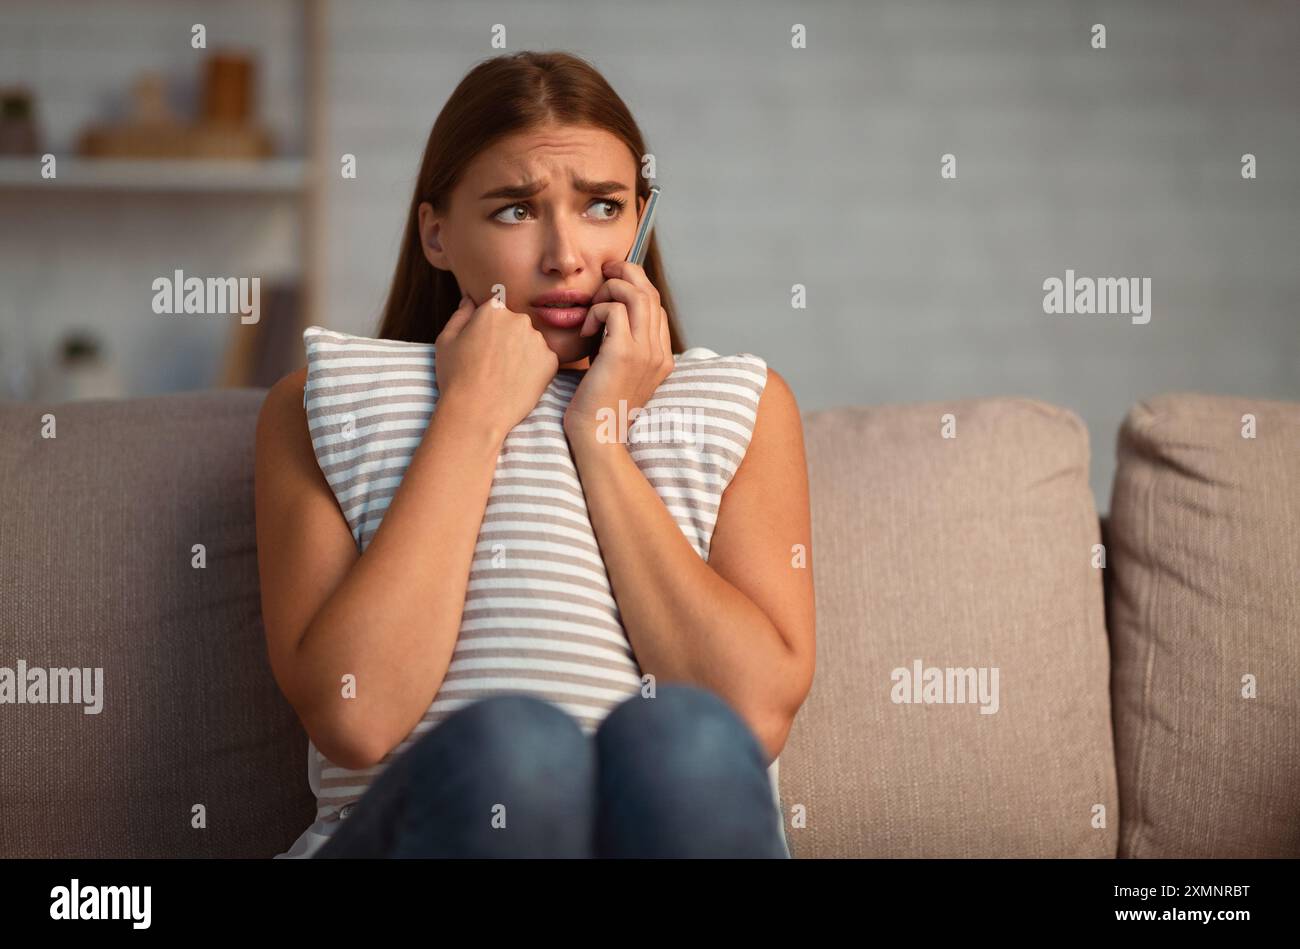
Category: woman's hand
<point>635,354</point>
<point>492,364</point>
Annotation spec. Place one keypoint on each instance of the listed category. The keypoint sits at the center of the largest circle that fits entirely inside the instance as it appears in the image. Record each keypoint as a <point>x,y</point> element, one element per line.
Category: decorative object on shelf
<point>260,353</point>
<point>151,131</point>
<point>227,127</point>
<point>82,371</point>
<point>228,89</point>
<point>18,132</point>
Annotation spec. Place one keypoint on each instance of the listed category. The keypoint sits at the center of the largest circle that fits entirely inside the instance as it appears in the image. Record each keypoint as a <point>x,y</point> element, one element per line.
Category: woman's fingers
<point>659,340</point>
<point>618,323</point>
<point>603,315</point>
<point>594,321</point>
<point>647,320</point>
<point>638,304</point>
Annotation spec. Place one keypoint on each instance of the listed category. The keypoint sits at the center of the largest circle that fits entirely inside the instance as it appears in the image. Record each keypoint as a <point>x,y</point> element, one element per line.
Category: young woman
<point>645,719</point>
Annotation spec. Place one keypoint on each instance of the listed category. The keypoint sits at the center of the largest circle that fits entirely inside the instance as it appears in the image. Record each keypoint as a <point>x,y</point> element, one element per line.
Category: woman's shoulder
<point>293,381</point>
<point>282,421</point>
<point>287,391</point>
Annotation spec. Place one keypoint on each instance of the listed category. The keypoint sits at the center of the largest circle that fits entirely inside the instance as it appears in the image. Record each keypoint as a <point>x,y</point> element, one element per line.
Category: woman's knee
<point>682,726</point>
<point>508,775</point>
<point>682,775</point>
<point>508,737</point>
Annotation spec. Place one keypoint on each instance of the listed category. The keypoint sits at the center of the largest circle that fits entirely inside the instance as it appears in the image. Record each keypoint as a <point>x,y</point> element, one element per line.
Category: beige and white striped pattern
<point>540,616</point>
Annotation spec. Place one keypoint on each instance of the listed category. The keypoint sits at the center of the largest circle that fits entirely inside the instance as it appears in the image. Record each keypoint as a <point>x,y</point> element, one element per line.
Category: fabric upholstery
<point>1204,602</point>
<point>972,551</point>
<point>97,533</point>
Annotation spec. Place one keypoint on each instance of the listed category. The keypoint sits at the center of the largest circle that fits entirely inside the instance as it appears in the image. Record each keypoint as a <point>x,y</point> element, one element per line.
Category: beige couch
<point>1147,708</point>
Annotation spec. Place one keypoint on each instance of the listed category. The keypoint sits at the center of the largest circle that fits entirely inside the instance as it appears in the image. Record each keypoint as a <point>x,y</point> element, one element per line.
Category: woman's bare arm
<point>742,622</point>
<point>389,617</point>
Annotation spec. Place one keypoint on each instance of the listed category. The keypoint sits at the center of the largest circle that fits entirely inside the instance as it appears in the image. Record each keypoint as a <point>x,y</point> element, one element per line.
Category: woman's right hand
<point>493,364</point>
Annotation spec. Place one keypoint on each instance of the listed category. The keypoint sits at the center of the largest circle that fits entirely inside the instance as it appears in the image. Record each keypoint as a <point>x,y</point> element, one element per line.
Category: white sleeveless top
<point>368,404</point>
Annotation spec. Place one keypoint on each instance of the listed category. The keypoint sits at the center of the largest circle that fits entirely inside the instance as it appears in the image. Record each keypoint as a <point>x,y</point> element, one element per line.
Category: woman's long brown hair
<point>499,97</point>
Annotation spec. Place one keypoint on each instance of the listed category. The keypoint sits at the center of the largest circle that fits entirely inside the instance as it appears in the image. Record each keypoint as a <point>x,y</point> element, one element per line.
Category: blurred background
<point>780,166</point>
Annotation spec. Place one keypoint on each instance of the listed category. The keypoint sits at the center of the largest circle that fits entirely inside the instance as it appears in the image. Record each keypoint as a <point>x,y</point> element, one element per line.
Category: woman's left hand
<point>635,355</point>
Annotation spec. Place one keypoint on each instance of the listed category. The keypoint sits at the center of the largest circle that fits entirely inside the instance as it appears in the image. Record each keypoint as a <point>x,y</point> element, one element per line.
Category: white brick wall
<point>821,166</point>
<point>817,166</point>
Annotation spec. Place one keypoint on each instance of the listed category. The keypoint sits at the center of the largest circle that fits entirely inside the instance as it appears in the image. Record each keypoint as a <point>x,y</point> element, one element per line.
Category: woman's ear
<point>431,237</point>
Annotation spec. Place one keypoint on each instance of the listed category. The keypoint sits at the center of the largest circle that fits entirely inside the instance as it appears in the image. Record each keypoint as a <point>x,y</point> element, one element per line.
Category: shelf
<point>159,175</point>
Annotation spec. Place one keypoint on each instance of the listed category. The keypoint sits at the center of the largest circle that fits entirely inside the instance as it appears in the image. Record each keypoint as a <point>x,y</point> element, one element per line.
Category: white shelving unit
<point>133,188</point>
<point>288,175</point>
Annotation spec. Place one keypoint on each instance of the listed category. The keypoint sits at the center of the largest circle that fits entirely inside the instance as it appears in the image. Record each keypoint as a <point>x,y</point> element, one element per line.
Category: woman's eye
<point>613,209</point>
<point>504,210</point>
<point>613,206</point>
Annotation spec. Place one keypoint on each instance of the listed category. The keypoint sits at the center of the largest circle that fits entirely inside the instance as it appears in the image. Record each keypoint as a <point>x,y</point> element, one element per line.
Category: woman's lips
<point>564,318</point>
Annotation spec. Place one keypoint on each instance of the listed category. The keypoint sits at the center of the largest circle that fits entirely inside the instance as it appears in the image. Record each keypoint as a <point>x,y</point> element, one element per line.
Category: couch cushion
<point>1204,592</point>
<point>973,551</point>
<point>97,533</point>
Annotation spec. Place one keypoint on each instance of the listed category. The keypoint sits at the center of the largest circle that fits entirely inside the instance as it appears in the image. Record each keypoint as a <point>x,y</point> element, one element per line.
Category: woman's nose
<point>561,252</point>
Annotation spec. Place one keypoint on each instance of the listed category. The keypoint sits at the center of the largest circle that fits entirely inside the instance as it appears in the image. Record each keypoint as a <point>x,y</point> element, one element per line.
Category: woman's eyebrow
<point>530,188</point>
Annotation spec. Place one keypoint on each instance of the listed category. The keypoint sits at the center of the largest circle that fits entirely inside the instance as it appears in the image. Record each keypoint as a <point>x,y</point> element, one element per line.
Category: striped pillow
<point>542,620</point>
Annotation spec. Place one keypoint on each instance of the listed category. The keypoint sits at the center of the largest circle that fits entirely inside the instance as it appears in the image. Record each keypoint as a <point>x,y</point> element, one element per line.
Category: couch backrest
<point>973,551</point>
<point>965,552</point>
<point>969,552</point>
<point>99,532</point>
<point>1204,614</point>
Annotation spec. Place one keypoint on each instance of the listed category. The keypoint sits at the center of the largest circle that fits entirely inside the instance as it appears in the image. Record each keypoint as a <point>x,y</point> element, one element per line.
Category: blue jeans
<point>677,775</point>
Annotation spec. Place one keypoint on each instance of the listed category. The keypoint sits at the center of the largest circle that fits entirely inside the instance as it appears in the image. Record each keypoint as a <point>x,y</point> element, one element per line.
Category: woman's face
<point>538,212</point>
